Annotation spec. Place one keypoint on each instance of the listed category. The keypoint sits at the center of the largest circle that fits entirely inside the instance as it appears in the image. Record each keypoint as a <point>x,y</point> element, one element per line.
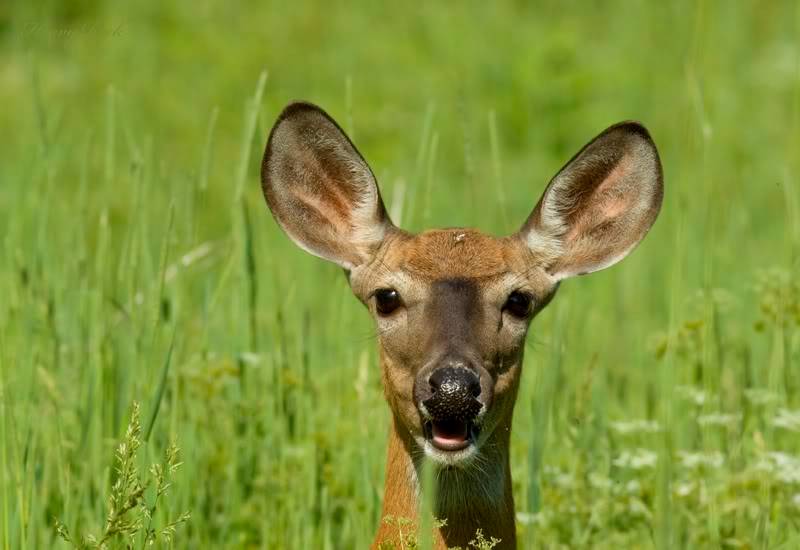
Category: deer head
<point>453,306</point>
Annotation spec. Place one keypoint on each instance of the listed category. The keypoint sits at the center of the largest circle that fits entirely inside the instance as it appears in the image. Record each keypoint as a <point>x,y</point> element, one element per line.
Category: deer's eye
<point>387,300</point>
<point>518,304</point>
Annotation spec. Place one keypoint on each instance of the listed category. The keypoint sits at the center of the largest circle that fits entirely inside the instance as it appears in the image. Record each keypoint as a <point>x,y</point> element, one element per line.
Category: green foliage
<point>659,402</point>
<point>407,536</point>
<point>725,484</point>
<point>130,514</point>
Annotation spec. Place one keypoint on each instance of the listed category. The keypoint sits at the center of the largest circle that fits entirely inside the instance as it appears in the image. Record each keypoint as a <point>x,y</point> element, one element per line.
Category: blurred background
<point>138,264</point>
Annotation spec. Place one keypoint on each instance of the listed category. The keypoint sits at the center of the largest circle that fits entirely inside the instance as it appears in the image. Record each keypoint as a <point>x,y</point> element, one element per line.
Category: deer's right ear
<point>320,189</point>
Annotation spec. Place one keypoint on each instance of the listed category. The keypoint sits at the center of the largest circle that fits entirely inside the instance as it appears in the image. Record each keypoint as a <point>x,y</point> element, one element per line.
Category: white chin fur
<point>447,458</point>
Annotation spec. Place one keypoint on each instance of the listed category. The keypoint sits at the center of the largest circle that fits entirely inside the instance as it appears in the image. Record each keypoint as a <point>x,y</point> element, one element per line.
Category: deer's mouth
<point>451,435</point>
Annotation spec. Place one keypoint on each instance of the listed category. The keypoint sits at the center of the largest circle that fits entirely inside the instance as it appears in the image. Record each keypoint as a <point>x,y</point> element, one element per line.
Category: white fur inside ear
<point>546,243</point>
<point>561,274</point>
<point>547,238</point>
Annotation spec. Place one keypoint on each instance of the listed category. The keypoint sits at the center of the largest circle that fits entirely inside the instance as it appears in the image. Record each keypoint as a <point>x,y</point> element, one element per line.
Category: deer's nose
<point>454,392</point>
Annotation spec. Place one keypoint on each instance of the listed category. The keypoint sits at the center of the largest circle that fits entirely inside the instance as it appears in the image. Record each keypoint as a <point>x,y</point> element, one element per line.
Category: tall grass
<point>659,407</point>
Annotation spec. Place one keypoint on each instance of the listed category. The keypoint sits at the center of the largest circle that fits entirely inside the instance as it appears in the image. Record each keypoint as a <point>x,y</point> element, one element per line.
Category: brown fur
<point>453,284</point>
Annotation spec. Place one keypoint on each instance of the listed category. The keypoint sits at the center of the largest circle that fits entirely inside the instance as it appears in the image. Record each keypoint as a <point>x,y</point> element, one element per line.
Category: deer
<point>452,307</point>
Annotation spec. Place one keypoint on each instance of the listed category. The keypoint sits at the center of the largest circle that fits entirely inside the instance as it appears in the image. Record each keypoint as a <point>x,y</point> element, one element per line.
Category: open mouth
<point>451,435</point>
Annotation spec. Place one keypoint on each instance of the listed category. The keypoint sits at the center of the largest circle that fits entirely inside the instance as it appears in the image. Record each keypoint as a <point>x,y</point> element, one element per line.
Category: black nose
<point>454,391</point>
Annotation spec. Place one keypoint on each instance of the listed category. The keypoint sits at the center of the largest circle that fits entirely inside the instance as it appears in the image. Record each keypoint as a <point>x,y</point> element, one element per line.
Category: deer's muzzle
<point>452,407</point>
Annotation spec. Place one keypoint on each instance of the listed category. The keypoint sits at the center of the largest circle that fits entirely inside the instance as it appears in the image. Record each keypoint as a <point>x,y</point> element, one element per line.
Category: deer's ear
<point>600,205</point>
<point>320,189</point>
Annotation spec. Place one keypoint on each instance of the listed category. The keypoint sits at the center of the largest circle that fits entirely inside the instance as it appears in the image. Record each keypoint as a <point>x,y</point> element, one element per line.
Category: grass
<point>138,263</point>
<point>131,506</point>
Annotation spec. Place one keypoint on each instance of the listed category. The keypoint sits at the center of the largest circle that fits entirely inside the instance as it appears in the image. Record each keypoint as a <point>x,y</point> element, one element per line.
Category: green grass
<point>139,263</point>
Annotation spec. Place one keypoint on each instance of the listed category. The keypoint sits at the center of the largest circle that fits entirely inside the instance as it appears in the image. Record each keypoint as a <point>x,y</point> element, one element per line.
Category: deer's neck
<point>474,497</point>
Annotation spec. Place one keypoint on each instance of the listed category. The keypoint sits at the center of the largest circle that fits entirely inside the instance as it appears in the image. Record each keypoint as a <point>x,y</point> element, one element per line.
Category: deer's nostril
<point>475,387</point>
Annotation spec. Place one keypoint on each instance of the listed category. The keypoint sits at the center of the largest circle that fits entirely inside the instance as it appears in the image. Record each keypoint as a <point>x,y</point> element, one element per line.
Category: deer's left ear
<point>600,205</point>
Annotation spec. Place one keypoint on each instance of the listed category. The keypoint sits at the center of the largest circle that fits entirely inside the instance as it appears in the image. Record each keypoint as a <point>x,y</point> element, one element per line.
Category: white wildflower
<point>599,481</point>
<point>783,460</point>
<point>700,460</point>
<point>564,480</point>
<point>684,489</point>
<point>719,419</point>
<point>633,487</point>
<point>526,518</point>
<point>758,396</point>
<point>787,467</point>
<point>250,358</point>
<point>765,465</point>
<point>637,508</point>
<point>787,420</point>
<point>540,519</point>
<point>635,426</point>
<point>692,394</point>
<point>638,459</point>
